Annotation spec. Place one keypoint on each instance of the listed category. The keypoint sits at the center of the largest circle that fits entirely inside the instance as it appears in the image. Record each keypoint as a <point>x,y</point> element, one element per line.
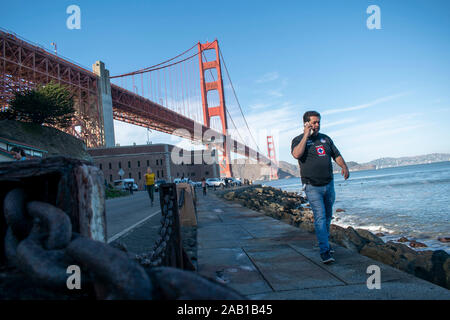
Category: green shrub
<point>114,193</point>
<point>51,104</point>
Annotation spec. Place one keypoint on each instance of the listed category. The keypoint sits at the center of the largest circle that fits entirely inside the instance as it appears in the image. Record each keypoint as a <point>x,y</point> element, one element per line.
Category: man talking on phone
<point>314,151</point>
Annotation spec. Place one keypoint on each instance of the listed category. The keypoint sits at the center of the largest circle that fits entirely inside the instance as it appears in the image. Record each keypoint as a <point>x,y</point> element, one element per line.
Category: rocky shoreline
<point>433,266</point>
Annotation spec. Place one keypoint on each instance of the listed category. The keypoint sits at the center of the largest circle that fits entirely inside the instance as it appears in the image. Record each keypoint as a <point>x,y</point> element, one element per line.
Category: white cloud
<point>336,123</point>
<point>257,106</point>
<point>271,76</point>
<point>275,93</point>
<point>365,105</point>
<point>395,136</point>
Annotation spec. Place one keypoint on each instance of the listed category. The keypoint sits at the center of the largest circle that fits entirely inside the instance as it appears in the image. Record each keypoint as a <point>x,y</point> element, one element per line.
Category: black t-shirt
<point>315,163</point>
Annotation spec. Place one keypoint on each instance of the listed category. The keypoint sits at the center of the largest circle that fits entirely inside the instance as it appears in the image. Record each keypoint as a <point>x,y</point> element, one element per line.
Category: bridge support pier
<point>105,101</point>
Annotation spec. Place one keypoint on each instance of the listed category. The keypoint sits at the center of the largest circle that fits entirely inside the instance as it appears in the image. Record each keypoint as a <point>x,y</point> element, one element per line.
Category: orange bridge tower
<point>214,111</point>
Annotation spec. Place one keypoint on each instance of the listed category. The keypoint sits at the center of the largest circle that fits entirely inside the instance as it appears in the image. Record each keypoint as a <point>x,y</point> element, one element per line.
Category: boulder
<point>379,234</point>
<point>446,268</point>
<point>340,210</point>
<point>369,236</point>
<point>229,196</point>
<point>296,219</point>
<point>307,216</point>
<point>402,250</point>
<point>355,238</point>
<point>396,255</point>
<point>433,266</point>
<point>416,244</point>
<point>347,238</point>
<point>403,239</point>
<point>307,226</point>
<point>379,253</point>
<point>444,239</point>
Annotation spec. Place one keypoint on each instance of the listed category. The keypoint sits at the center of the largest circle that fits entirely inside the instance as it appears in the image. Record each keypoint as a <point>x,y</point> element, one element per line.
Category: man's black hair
<point>309,114</point>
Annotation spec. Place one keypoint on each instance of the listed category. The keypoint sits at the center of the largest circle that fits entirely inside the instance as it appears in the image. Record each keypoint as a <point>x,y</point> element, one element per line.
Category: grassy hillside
<point>52,140</point>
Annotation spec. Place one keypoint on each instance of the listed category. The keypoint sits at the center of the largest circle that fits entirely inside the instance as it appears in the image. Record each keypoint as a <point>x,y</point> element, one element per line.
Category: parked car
<point>158,183</point>
<point>123,184</point>
<point>215,182</point>
<point>236,182</point>
<point>227,182</point>
<point>187,180</point>
<point>196,184</point>
<point>181,180</point>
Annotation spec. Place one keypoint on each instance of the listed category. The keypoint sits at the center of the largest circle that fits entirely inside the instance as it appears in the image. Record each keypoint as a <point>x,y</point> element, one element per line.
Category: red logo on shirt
<point>320,150</point>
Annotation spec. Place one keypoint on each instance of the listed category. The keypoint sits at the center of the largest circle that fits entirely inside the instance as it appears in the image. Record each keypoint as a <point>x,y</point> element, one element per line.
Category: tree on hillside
<point>51,104</point>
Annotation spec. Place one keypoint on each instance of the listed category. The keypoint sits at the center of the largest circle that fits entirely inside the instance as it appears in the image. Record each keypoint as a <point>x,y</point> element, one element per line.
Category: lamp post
<point>54,45</point>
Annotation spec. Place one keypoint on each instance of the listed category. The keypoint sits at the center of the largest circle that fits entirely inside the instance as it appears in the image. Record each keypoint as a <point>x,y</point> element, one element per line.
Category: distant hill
<point>406,161</point>
<point>354,166</point>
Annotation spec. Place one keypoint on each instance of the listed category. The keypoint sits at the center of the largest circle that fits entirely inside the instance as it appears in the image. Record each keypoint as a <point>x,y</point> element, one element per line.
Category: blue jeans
<point>321,200</point>
<point>151,190</point>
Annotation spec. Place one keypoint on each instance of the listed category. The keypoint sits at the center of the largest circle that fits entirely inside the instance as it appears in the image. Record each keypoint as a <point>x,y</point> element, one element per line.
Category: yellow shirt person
<point>149,179</point>
<point>150,184</point>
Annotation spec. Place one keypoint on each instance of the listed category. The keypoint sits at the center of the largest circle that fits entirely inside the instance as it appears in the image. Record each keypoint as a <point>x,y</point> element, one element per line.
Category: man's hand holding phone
<point>308,131</point>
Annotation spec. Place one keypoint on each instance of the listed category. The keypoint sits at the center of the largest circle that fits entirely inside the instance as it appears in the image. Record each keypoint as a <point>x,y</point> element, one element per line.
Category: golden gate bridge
<point>190,95</point>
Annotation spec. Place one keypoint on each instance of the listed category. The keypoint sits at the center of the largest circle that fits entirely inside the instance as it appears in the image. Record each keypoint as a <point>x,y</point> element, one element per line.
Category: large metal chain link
<point>50,246</point>
<point>39,241</point>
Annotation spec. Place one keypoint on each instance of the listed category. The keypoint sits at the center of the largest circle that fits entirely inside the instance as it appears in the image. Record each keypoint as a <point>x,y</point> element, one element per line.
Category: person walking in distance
<point>150,184</point>
<point>204,186</point>
<point>314,152</point>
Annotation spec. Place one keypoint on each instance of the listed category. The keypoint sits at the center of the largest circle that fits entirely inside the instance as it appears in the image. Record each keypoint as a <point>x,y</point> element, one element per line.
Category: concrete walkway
<point>264,258</point>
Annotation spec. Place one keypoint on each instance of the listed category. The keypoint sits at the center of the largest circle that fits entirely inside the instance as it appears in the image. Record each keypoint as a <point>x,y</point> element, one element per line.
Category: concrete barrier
<point>188,214</point>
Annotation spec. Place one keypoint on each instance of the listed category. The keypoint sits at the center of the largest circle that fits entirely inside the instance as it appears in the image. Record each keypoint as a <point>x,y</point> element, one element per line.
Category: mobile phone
<point>311,131</point>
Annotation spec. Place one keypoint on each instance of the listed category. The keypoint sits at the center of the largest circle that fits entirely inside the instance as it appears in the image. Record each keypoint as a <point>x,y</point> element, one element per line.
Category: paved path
<point>264,258</point>
<point>125,215</point>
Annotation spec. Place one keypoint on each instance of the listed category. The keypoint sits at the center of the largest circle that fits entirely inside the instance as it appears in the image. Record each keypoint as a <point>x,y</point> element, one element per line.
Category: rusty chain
<point>40,242</point>
<point>162,246</point>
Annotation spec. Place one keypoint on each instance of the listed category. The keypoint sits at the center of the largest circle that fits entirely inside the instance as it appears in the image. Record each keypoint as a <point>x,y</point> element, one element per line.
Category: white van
<point>123,184</point>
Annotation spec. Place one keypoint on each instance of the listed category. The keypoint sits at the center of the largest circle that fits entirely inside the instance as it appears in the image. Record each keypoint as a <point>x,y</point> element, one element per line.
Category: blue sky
<point>381,93</point>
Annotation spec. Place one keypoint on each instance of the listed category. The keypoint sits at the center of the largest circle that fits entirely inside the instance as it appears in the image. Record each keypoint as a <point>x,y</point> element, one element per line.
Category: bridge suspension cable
<point>154,67</point>
<point>228,112</point>
<point>237,100</point>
